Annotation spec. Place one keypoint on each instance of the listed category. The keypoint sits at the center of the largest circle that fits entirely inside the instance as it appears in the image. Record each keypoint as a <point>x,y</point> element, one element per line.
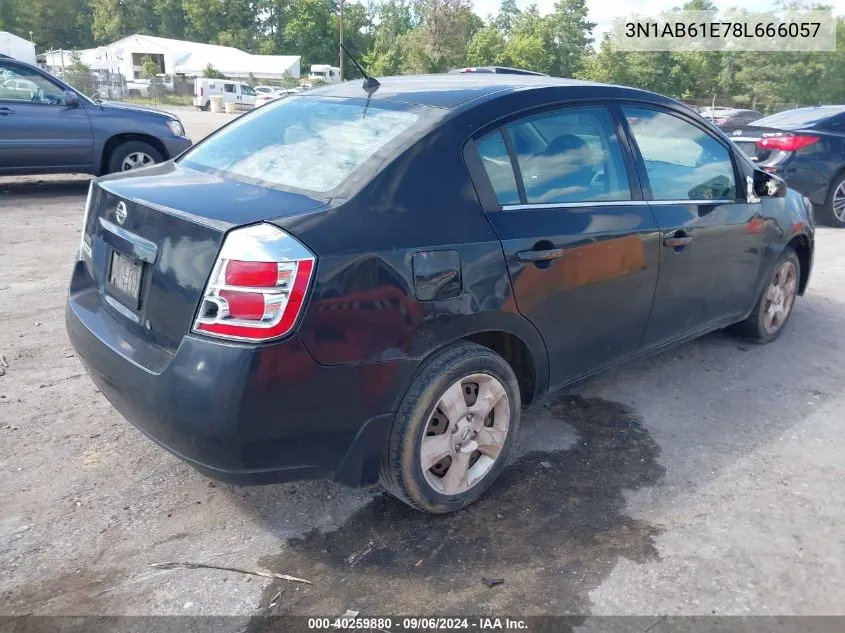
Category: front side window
<point>23,84</point>
<point>248,91</point>
<point>310,143</point>
<point>682,161</point>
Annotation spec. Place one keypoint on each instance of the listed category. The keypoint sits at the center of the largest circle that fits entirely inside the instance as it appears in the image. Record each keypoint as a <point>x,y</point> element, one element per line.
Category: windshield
<point>306,143</point>
<point>799,118</point>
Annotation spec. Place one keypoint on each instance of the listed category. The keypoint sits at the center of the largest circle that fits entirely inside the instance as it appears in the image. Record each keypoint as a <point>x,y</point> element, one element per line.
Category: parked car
<point>805,147</point>
<point>236,92</point>
<point>495,70</point>
<point>294,298</point>
<point>267,90</point>
<point>18,89</point>
<point>53,128</point>
<point>281,93</point>
<point>138,88</point>
<point>730,116</point>
<point>263,99</point>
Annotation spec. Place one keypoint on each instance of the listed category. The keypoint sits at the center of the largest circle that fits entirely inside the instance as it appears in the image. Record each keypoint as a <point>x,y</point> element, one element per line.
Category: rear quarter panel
<point>364,304</point>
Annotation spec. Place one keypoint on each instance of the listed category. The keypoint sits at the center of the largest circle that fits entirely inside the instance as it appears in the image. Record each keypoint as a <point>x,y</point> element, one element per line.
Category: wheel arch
<point>509,335</point>
<point>802,247</point>
<point>118,139</point>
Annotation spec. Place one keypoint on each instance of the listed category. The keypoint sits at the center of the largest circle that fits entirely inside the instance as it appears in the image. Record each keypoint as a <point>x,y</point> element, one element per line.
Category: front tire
<point>774,307</point>
<point>133,155</point>
<point>453,430</point>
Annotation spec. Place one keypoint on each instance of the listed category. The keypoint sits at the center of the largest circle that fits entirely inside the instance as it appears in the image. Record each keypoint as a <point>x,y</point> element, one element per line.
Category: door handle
<point>6,111</point>
<point>679,239</point>
<point>540,256</point>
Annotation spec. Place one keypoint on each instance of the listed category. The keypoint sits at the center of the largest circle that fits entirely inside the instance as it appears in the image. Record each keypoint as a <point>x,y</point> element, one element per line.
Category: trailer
<point>17,47</point>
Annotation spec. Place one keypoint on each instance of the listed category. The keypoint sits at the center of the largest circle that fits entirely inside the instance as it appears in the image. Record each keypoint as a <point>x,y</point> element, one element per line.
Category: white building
<point>17,47</point>
<point>177,57</point>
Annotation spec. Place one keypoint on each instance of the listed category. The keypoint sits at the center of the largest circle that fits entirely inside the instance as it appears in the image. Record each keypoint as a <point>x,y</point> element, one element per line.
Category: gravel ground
<point>709,479</point>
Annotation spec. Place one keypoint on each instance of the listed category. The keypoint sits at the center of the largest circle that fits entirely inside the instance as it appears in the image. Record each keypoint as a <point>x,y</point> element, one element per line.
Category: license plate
<point>125,278</point>
<point>749,148</point>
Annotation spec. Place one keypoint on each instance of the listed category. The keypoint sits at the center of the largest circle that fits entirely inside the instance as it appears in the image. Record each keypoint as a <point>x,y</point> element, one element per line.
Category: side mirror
<point>71,99</point>
<point>764,185</point>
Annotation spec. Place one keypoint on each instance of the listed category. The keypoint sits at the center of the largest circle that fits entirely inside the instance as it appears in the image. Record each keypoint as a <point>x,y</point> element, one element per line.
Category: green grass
<point>185,100</point>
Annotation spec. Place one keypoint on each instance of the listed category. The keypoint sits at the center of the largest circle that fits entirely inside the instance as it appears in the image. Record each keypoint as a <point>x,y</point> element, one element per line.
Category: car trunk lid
<point>153,237</point>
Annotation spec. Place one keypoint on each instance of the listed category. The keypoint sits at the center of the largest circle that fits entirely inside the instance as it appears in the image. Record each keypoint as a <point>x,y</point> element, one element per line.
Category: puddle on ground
<point>553,527</point>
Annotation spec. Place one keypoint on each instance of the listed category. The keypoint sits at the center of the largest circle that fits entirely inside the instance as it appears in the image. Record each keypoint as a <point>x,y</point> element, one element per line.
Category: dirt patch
<point>552,527</point>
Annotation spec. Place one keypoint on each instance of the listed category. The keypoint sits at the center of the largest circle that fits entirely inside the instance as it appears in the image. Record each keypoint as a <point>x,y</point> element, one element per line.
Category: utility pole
<point>341,40</point>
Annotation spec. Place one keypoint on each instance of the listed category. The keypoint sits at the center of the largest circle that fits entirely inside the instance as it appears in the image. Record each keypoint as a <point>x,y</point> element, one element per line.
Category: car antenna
<point>371,84</point>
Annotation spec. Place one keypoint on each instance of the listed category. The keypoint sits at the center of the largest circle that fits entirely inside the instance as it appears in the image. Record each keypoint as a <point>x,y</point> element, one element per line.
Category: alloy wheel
<point>780,297</point>
<point>839,202</point>
<point>136,160</point>
<point>465,434</point>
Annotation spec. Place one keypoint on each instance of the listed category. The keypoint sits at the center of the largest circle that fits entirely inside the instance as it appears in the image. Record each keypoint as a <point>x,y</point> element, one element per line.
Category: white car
<point>19,89</point>
<point>266,90</point>
<point>280,93</point>
<point>262,98</point>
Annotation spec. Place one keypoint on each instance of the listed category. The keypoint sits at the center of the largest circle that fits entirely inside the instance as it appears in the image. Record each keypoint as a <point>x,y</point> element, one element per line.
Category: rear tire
<point>447,444</point>
<point>833,210</point>
<point>774,307</point>
<point>137,153</point>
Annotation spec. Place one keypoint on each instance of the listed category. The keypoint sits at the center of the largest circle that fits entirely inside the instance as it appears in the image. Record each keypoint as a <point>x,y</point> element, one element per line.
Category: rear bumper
<point>243,414</point>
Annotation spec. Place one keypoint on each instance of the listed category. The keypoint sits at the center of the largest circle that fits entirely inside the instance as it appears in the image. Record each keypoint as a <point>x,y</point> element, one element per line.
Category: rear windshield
<point>310,143</point>
<point>798,118</point>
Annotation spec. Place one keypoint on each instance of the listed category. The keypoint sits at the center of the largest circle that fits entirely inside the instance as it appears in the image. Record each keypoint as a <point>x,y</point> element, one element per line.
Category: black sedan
<point>370,285</point>
<point>805,147</point>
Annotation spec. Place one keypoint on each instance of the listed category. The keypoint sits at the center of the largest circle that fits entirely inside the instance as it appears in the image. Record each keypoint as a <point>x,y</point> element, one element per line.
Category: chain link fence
<point>114,86</point>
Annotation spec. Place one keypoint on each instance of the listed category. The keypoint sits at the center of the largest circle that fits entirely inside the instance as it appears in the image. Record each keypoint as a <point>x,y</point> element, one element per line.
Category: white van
<point>324,72</point>
<point>241,94</point>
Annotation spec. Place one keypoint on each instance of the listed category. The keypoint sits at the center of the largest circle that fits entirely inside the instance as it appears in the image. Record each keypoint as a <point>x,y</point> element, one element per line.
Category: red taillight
<point>240,273</point>
<point>202,91</point>
<point>787,143</point>
<point>258,285</point>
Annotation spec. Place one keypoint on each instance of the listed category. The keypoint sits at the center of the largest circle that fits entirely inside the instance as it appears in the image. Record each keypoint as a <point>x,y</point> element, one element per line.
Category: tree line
<point>422,36</point>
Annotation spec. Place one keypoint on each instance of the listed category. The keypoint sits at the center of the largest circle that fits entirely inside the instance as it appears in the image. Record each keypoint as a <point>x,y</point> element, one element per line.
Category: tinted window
<point>497,162</point>
<point>683,162</point>
<point>570,156</point>
<point>22,84</point>
<point>229,87</point>
<point>302,142</point>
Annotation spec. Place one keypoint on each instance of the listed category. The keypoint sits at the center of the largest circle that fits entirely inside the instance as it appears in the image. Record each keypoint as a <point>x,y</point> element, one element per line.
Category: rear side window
<point>683,162</point>
<point>308,143</point>
<point>497,162</point>
<point>229,87</point>
<point>564,157</point>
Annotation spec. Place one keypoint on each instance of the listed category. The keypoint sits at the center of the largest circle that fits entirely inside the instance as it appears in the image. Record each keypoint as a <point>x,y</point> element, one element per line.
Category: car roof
<point>495,69</point>
<point>451,90</point>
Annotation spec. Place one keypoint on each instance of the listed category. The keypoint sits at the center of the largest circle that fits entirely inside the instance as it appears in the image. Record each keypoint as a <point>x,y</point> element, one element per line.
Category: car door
<point>580,243</point>
<point>247,97</point>
<point>37,130</point>
<point>711,235</point>
<point>230,93</point>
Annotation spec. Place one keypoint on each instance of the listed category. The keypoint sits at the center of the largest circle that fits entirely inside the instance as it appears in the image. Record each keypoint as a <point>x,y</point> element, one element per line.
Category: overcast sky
<point>603,11</point>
